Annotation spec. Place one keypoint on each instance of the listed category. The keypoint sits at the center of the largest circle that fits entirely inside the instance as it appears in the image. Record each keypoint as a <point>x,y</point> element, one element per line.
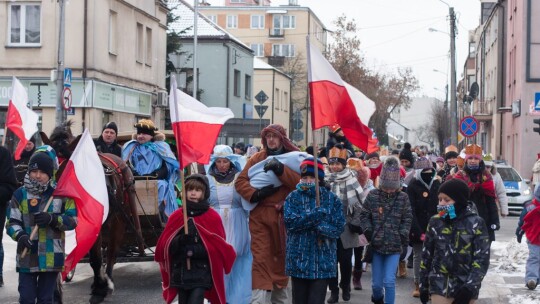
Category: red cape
<point>531,224</point>
<point>220,253</point>
<point>486,182</point>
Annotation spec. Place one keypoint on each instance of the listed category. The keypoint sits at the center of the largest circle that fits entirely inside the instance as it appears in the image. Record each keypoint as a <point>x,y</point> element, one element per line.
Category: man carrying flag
<point>33,205</point>
<point>20,119</point>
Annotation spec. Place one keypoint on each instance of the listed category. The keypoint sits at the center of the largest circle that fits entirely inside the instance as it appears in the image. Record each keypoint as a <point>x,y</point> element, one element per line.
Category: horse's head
<point>61,139</point>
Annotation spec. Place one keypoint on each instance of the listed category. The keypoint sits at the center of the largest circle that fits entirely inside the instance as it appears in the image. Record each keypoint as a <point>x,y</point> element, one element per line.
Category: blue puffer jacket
<point>312,234</point>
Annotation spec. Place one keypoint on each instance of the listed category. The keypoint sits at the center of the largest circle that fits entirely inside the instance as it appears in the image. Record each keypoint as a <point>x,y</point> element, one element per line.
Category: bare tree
<point>436,128</point>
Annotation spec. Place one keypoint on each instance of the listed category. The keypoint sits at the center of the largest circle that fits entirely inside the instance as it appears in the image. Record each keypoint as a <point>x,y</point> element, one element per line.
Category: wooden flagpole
<point>316,164</point>
<point>36,227</point>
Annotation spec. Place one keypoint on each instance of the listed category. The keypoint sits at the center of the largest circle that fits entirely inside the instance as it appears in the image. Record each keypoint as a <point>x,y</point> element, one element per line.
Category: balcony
<point>276,61</point>
<point>483,110</point>
<point>276,33</point>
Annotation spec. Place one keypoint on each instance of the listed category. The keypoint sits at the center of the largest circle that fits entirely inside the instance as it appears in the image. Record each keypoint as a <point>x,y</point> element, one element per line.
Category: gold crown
<point>460,162</point>
<point>355,163</point>
<point>473,149</point>
<point>146,124</point>
<point>337,153</point>
<point>450,148</point>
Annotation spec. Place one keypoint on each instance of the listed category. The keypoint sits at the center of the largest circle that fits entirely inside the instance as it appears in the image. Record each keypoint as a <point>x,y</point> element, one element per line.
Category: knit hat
<point>457,190</point>
<point>335,128</point>
<point>406,153</point>
<point>307,168</point>
<point>240,145</point>
<point>110,125</point>
<point>423,163</point>
<point>390,174</point>
<point>338,154</point>
<point>41,161</point>
<point>439,160</point>
<point>450,154</point>
<point>146,126</point>
<point>372,155</point>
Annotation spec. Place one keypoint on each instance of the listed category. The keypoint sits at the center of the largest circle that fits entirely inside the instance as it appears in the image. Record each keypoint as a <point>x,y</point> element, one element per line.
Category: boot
<point>357,283</point>
<point>334,297</point>
<point>402,269</point>
<point>379,301</point>
<point>416,292</point>
<point>346,293</point>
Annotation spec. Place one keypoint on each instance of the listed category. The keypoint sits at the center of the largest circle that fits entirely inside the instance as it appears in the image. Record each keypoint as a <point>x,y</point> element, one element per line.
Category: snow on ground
<point>511,257</point>
<point>532,298</point>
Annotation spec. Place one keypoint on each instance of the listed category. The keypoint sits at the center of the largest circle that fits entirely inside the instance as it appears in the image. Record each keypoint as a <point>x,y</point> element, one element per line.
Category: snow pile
<point>511,256</point>
<point>531,298</point>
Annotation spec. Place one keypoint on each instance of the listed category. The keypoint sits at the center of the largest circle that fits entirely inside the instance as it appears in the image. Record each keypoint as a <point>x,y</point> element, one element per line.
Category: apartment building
<point>277,35</point>
<point>115,49</point>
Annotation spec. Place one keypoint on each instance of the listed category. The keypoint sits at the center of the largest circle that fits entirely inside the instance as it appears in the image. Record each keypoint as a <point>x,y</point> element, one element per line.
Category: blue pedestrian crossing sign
<point>537,101</point>
<point>468,126</point>
<point>67,78</point>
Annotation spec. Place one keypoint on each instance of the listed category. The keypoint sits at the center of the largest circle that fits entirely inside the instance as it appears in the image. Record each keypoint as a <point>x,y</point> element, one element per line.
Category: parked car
<point>518,190</point>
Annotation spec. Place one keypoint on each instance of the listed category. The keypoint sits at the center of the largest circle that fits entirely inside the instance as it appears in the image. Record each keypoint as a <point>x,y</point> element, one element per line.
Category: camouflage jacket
<point>455,254</point>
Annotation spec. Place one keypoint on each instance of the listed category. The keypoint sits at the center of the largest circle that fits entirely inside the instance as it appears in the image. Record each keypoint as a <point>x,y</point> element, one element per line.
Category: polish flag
<point>335,101</point>
<point>196,126</point>
<point>20,119</point>
<point>84,181</point>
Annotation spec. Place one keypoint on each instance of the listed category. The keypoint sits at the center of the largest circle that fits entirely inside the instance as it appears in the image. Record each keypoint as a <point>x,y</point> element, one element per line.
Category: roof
<point>206,29</point>
<point>259,64</point>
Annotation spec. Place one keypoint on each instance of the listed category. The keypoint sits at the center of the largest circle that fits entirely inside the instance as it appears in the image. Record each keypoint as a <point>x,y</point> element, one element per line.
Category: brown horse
<point>122,210</point>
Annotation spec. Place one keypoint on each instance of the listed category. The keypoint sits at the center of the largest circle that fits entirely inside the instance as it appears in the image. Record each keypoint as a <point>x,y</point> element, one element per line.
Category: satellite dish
<point>399,137</point>
<point>473,91</point>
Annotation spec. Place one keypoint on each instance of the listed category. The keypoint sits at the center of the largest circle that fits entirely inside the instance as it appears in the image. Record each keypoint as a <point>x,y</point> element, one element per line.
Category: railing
<point>483,107</point>
<point>276,61</point>
<point>276,33</point>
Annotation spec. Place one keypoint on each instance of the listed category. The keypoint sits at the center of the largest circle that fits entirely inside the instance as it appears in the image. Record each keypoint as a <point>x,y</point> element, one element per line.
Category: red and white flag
<point>196,126</point>
<point>20,119</point>
<point>335,101</point>
<point>84,181</point>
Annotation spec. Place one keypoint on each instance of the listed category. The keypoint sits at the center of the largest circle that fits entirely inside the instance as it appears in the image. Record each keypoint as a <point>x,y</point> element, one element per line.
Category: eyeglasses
<point>270,136</point>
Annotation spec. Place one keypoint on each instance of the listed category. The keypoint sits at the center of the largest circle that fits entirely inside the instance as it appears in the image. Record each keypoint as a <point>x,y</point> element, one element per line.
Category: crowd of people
<point>256,219</point>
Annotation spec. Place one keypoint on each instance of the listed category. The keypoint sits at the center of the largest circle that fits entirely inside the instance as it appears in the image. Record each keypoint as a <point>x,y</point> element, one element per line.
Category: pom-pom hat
<point>307,168</point>
<point>390,174</point>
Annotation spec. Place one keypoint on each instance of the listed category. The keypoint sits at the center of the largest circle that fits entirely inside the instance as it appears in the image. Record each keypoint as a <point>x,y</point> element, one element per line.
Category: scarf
<point>223,177</point>
<point>33,186</point>
<point>196,209</point>
<point>484,181</point>
<point>447,211</point>
<point>345,185</point>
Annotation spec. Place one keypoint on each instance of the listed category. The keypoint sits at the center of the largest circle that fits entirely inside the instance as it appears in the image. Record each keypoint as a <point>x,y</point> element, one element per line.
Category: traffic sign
<point>468,126</point>
<point>261,110</point>
<point>261,97</point>
<point>537,101</point>
<point>67,78</point>
<point>297,135</point>
<point>67,97</point>
<point>297,123</point>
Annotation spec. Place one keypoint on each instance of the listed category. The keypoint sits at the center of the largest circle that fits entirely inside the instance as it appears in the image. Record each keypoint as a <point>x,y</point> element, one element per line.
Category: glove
<point>43,218</point>
<point>23,241</point>
<point>262,193</point>
<point>368,234</point>
<point>424,296</point>
<point>274,165</point>
<point>519,235</point>
<point>463,296</point>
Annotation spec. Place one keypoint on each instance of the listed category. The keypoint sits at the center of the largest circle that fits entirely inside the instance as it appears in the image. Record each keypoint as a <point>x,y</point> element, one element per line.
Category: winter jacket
<point>387,218</point>
<point>532,236</point>
<point>345,186</point>
<point>312,234</point>
<point>113,148</point>
<point>500,191</point>
<point>424,200</point>
<point>48,246</point>
<point>455,254</point>
<point>8,182</point>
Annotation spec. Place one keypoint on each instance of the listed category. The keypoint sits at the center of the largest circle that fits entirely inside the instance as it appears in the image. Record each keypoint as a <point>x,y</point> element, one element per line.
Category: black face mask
<point>427,176</point>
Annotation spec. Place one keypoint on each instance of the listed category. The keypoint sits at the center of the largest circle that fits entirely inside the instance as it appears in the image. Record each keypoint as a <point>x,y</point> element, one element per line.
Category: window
<point>213,18</point>
<point>24,25</point>
<point>277,99</point>
<point>282,22</point>
<point>148,47</point>
<point>247,87</point>
<point>237,83</point>
<point>285,101</point>
<point>106,117</point>
<point>258,49</point>
<point>232,21</point>
<point>139,43</point>
<point>257,22</point>
<point>113,32</point>
<point>285,50</point>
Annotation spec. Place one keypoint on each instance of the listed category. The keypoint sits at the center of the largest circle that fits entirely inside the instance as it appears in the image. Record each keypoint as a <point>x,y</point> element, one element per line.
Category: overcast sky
<point>394,33</point>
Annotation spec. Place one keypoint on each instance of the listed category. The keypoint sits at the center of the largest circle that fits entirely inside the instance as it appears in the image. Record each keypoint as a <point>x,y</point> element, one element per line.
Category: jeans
<point>308,291</point>
<point>532,269</point>
<point>191,296</point>
<point>37,285</point>
<point>344,258</point>
<point>383,277</point>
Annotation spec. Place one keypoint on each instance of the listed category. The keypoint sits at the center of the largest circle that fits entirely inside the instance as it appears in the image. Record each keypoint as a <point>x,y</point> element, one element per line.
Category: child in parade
<point>312,233</point>
<point>386,220</point>
<point>345,186</point>
<point>529,224</point>
<point>193,265</point>
<point>44,259</point>
<point>455,257</point>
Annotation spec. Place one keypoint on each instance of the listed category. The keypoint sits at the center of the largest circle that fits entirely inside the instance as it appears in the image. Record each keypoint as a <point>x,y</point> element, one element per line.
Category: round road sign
<point>67,98</point>
<point>468,126</point>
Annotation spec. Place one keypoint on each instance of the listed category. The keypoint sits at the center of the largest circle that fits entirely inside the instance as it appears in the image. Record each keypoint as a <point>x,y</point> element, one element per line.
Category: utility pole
<point>61,114</point>
<point>453,101</point>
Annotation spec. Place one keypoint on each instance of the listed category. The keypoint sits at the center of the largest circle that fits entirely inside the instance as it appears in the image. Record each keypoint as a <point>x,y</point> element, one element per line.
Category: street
<point>140,282</point>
